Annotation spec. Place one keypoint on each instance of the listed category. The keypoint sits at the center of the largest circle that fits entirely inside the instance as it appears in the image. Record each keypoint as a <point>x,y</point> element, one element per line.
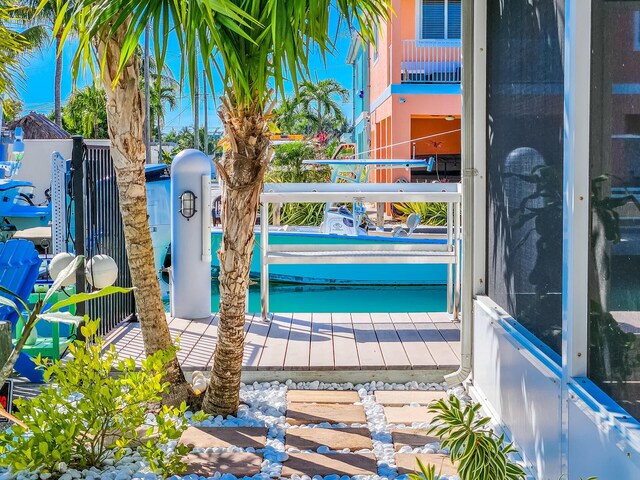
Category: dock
<point>335,347</point>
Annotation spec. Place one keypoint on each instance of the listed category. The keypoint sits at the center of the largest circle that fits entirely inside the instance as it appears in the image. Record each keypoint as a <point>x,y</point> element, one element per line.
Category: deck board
<point>392,350</point>
<point>417,352</point>
<point>297,355</point>
<point>321,345</point>
<point>275,347</point>
<point>440,349</point>
<point>315,342</point>
<point>345,350</point>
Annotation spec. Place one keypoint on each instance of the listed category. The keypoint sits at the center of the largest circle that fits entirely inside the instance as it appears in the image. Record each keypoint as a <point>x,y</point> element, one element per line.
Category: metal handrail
<point>401,253</point>
<point>431,61</point>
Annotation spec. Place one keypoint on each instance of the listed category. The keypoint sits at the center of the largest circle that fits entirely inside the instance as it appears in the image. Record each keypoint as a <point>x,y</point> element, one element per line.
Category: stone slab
<point>412,437</point>
<point>406,463</point>
<point>334,438</point>
<point>237,464</point>
<point>330,464</point>
<point>311,413</point>
<point>322,396</point>
<point>404,397</point>
<point>224,437</point>
<point>407,415</point>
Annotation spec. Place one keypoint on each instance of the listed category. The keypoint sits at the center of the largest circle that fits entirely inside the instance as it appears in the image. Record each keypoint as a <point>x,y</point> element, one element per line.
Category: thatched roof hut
<point>37,126</point>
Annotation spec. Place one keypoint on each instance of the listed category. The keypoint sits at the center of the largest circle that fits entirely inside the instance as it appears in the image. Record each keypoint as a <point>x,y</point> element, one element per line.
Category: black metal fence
<point>98,229</point>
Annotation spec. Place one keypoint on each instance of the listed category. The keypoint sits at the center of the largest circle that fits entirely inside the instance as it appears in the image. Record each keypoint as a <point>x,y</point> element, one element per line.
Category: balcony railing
<point>430,61</point>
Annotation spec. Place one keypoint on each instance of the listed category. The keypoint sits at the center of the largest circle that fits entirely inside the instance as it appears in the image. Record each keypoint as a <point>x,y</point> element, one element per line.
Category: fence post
<point>77,190</point>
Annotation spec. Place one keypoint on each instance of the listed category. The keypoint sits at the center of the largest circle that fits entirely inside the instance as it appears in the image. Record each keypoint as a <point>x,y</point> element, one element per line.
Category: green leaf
<point>83,297</point>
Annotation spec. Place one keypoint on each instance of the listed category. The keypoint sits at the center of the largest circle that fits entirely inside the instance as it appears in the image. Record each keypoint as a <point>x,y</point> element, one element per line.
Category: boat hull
<point>352,274</point>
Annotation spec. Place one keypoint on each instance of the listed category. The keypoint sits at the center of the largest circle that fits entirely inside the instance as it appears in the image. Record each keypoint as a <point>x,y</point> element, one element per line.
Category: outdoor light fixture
<point>402,99</point>
<point>188,204</point>
<point>450,118</point>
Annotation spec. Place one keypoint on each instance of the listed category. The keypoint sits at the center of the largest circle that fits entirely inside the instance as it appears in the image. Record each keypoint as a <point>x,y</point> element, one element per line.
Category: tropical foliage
<point>85,113</point>
<point>434,214</point>
<point>90,416</point>
<point>43,309</point>
<point>475,450</point>
<point>287,167</point>
<point>184,139</point>
<point>315,110</point>
<point>11,108</point>
<point>12,45</point>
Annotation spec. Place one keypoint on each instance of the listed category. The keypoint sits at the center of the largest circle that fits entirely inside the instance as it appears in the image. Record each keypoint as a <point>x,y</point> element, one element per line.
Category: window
<point>525,164</point>
<point>636,31</point>
<point>441,19</point>
<point>614,259</point>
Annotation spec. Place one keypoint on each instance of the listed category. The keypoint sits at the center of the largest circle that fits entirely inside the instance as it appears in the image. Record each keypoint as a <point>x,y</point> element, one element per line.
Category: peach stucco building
<point>407,87</point>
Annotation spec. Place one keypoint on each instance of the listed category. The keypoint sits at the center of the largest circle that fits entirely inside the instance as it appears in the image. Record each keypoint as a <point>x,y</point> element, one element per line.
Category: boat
<point>340,226</point>
<point>17,210</point>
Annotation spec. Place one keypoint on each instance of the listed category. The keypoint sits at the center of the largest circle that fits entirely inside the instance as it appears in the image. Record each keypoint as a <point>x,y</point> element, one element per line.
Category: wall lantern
<point>188,204</point>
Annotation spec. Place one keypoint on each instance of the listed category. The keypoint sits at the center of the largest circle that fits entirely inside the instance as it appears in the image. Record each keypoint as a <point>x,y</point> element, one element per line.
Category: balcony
<point>431,61</point>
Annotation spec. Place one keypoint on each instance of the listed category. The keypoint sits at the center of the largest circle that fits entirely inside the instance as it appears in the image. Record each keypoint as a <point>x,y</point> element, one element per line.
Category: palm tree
<point>15,43</point>
<point>161,96</point>
<point>86,112</point>
<point>108,33</point>
<point>40,18</point>
<point>254,45</point>
<point>322,99</point>
<point>254,74</point>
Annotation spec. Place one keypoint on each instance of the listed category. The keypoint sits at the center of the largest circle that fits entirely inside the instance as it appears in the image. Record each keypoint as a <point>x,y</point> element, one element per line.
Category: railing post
<point>449,248</point>
<point>264,261</point>
<point>77,190</point>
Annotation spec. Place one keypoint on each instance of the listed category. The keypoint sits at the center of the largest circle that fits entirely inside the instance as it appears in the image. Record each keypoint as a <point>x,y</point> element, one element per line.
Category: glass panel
<point>454,19</point>
<point>614,278</point>
<point>432,19</point>
<point>524,161</point>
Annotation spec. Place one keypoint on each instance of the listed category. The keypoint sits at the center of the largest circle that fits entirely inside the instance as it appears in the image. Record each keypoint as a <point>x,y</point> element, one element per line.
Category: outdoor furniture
<point>19,270</point>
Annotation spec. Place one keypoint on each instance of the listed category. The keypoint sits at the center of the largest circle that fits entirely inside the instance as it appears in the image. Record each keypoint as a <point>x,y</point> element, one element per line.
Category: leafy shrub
<point>434,214</point>
<point>475,449</point>
<point>90,415</point>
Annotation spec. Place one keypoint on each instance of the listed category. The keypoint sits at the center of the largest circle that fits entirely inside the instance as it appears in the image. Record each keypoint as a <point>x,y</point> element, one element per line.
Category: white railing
<point>346,253</point>
<point>431,61</point>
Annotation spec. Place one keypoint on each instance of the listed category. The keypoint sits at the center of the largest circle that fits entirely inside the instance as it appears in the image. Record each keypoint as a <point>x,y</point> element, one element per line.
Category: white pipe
<point>466,300</point>
<point>206,218</point>
<point>264,267</point>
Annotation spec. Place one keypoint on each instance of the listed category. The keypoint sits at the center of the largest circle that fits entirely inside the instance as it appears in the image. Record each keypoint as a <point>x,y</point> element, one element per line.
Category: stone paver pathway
<point>326,433</point>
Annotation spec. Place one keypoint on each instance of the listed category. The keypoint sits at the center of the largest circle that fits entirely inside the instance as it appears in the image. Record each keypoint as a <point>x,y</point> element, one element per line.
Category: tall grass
<point>433,214</point>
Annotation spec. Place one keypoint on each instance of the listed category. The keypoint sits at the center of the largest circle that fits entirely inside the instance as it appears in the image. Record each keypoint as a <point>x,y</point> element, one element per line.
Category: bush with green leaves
<point>475,450</point>
<point>433,214</point>
<point>94,410</point>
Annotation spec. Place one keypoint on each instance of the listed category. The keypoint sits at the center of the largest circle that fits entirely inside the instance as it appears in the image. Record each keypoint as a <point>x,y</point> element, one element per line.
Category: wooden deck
<point>336,346</point>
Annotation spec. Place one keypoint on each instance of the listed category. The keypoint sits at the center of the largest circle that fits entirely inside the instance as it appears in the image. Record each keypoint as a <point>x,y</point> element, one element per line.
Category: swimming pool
<point>337,299</point>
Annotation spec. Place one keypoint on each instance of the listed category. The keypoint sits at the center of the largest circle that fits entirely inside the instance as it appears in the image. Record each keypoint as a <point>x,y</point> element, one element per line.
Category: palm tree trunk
<point>242,170</point>
<point>125,115</point>
<point>58,81</point>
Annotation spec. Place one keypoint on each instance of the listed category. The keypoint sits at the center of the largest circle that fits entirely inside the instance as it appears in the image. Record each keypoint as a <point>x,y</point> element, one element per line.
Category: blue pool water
<point>336,299</point>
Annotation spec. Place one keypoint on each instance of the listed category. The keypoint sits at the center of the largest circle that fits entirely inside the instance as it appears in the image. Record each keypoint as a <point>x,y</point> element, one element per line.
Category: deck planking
<point>315,342</point>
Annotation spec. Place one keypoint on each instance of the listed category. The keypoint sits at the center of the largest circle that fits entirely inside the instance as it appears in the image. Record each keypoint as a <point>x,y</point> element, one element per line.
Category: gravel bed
<point>265,404</point>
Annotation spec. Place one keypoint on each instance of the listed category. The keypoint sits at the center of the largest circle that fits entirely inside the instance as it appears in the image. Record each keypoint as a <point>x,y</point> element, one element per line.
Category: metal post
<point>196,113</point>
<point>458,278</point>
<point>206,115</point>
<point>77,189</point>
<point>450,249</point>
<point>147,95</point>
<point>264,261</point>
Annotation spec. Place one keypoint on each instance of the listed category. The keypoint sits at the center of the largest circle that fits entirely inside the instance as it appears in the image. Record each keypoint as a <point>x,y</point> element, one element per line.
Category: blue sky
<point>37,93</point>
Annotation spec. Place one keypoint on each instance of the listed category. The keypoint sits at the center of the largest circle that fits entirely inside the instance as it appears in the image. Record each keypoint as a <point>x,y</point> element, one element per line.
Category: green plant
<point>434,214</point>
<point>90,415</point>
<point>427,472</point>
<point>475,449</point>
<point>42,310</point>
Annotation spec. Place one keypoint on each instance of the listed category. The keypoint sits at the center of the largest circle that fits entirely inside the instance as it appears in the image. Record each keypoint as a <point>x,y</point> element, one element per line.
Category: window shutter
<point>454,19</point>
<point>433,19</point>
